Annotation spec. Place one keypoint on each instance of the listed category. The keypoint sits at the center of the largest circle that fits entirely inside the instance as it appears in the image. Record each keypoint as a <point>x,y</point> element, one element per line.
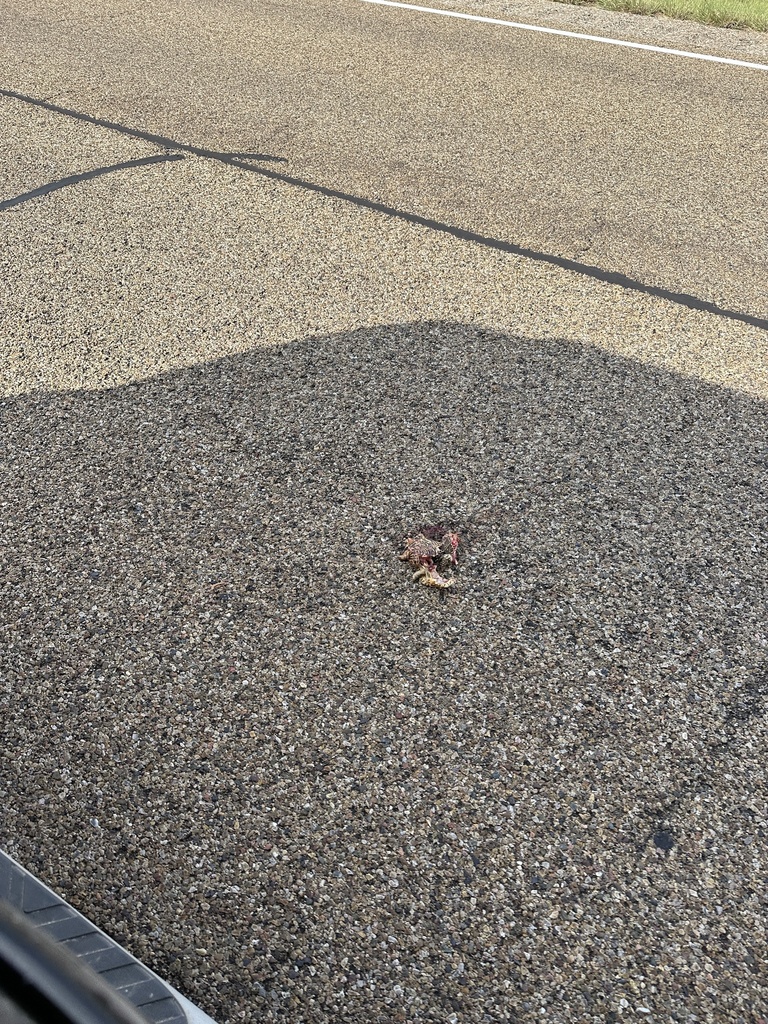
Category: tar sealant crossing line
<point>570,35</point>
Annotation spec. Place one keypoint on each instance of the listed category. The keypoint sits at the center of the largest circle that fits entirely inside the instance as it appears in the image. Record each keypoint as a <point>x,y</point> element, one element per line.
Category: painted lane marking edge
<point>570,35</point>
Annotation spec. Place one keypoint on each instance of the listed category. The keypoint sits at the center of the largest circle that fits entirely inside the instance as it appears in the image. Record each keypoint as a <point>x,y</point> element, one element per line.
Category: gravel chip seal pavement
<point>244,743</point>
<point>303,789</point>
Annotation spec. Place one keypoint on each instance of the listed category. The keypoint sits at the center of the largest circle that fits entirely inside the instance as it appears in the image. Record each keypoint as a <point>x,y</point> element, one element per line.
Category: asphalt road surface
<point>280,283</point>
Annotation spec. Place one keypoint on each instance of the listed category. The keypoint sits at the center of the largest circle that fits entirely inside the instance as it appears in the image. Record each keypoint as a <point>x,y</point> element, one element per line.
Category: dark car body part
<point>56,966</point>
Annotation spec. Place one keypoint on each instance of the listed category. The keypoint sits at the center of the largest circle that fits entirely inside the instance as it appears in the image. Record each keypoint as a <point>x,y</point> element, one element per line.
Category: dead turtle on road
<point>430,553</point>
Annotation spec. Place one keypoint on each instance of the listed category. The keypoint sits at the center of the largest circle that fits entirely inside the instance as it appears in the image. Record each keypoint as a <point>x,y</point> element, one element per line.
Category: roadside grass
<point>725,13</point>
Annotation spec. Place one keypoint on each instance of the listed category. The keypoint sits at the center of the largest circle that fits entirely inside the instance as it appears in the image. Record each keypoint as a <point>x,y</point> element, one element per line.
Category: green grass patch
<point>724,13</point>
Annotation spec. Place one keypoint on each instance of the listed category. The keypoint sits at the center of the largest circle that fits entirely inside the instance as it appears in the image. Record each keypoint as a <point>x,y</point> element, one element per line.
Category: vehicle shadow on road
<point>211,650</point>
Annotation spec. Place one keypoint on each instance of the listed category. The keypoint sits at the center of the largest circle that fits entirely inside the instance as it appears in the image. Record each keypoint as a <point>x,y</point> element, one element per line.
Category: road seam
<point>465,234</point>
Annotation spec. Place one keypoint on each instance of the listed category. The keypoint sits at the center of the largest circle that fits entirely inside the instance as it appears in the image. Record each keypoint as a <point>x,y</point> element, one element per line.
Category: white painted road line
<point>570,35</point>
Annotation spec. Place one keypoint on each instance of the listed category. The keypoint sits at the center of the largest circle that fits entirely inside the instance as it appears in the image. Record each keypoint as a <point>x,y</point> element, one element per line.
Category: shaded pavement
<point>304,788</point>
